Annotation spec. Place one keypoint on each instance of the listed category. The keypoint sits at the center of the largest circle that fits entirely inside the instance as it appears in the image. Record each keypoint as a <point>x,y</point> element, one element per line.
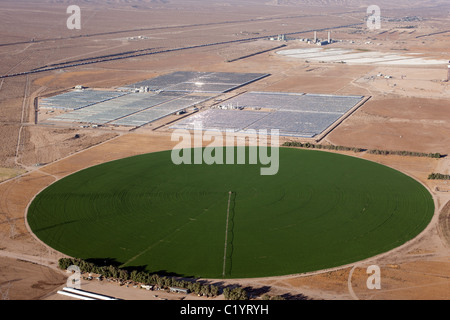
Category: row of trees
<point>152,279</point>
<point>405,153</point>
<point>237,293</point>
<point>308,145</point>
<point>267,297</point>
<point>439,176</point>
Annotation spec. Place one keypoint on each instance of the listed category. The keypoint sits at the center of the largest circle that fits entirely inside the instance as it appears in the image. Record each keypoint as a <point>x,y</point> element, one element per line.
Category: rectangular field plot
<point>293,114</point>
<point>269,100</point>
<point>230,77</point>
<point>296,102</point>
<point>78,99</point>
<point>188,81</point>
<point>159,111</point>
<point>297,124</point>
<point>168,80</point>
<point>133,109</point>
<point>108,111</point>
<point>221,120</point>
<point>199,87</point>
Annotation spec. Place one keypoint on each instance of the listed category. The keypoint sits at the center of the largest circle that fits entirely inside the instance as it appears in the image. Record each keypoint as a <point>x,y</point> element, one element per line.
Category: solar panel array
<point>300,115</point>
<point>324,103</point>
<point>220,120</point>
<point>78,99</point>
<point>134,109</point>
<point>159,111</point>
<point>175,93</point>
<point>272,100</point>
<point>298,124</point>
<point>296,102</point>
<point>189,81</point>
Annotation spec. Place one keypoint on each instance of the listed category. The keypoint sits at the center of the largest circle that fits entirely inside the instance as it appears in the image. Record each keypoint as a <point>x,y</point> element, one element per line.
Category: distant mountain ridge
<point>356,3</point>
<point>360,3</point>
<point>386,4</point>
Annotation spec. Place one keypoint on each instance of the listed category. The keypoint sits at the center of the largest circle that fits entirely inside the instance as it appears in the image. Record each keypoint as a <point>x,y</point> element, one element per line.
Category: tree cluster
<point>309,145</point>
<point>146,278</point>
<point>439,176</point>
<point>237,293</point>
<point>405,153</point>
<point>268,297</point>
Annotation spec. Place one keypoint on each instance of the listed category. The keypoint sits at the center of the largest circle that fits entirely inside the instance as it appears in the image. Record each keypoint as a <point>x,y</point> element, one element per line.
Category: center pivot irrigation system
<point>226,234</point>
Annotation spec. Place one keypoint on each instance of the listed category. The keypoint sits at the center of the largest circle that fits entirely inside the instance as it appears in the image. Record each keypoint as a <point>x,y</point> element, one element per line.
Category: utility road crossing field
<point>321,210</point>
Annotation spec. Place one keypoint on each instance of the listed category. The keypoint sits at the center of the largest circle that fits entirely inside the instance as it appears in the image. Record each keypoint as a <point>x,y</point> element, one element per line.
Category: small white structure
<point>179,290</point>
<point>448,73</point>
<point>83,295</point>
<point>146,287</point>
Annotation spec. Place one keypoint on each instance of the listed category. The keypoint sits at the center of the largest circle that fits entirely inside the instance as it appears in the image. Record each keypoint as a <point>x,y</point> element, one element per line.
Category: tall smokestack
<point>315,36</point>
<point>329,36</point>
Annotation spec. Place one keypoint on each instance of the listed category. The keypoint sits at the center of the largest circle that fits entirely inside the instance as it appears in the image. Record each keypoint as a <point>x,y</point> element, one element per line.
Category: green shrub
<point>439,176</point>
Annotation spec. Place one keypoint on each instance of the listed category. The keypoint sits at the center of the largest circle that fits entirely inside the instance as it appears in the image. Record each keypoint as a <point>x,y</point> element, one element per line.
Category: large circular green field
<point>320,210</point>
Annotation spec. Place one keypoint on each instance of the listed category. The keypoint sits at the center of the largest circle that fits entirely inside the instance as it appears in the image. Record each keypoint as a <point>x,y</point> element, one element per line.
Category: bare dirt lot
<point>415,124</point>
<point>408,112</point>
